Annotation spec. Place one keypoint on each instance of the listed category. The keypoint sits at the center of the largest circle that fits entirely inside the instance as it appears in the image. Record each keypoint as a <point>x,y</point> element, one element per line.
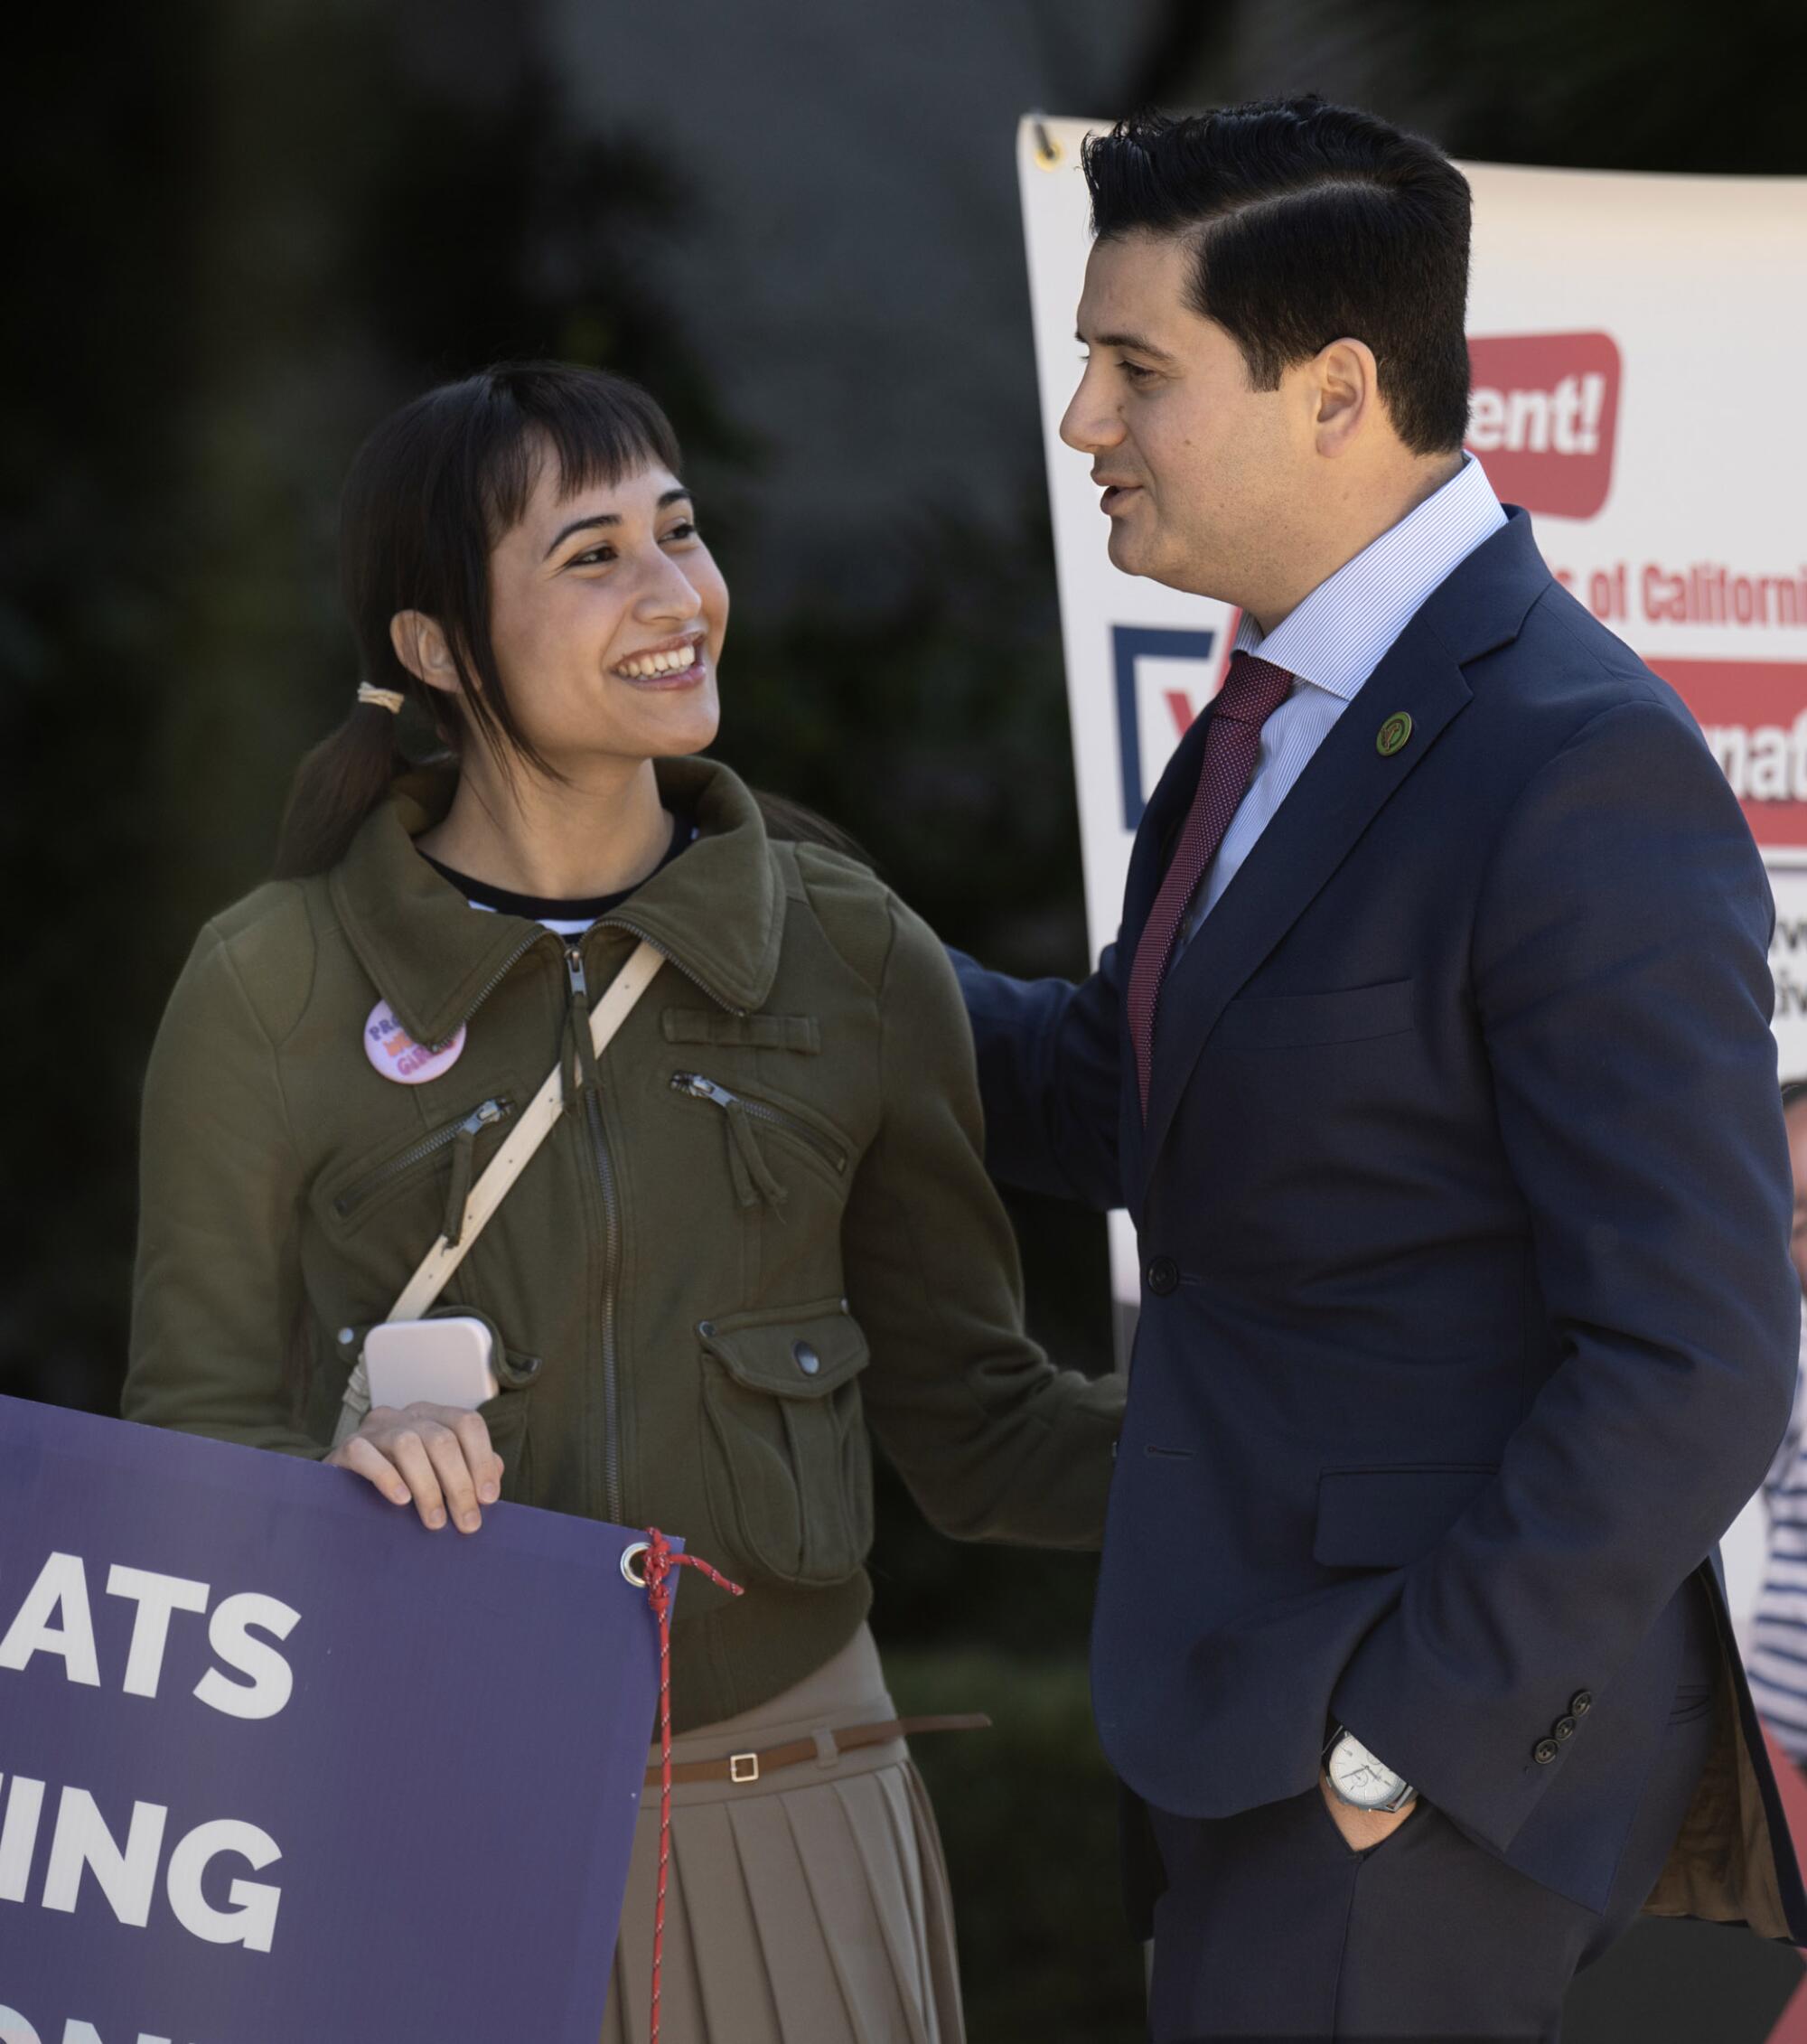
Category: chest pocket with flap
<point>789,1467</point>
<point>1293,1021</point>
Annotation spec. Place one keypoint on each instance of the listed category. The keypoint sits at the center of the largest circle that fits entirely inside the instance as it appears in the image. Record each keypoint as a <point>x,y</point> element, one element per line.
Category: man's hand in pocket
<point>1362,1828</point>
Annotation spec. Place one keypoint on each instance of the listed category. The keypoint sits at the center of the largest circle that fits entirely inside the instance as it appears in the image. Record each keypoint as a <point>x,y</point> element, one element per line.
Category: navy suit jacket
<point>1467,1322</point>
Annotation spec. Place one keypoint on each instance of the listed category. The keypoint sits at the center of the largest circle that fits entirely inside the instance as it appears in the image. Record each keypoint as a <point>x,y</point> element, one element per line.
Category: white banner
<point>1635,343</point>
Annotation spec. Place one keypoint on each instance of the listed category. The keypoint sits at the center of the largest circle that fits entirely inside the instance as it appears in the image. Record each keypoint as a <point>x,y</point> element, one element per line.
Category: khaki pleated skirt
<point>811,1907</point>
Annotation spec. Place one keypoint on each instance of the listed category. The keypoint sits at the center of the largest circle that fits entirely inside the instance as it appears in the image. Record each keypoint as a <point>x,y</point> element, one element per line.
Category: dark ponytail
<point>430,493</point>
<point>336,786</point>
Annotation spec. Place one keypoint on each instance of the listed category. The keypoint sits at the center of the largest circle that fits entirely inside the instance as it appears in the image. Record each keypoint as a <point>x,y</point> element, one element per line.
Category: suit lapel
<point>1348,782</point>
<point>1479,607</point>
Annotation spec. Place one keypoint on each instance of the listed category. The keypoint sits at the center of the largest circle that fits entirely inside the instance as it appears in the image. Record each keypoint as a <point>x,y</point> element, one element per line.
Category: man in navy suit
<point>1433,1062</point>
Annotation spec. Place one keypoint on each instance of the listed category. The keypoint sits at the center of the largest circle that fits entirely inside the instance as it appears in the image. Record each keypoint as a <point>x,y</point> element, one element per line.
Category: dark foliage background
<point>239,235</point>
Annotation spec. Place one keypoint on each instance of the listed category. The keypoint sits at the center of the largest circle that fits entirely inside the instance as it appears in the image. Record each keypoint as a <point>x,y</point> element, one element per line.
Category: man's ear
<point>422,648</point>
<point>1347,383</point>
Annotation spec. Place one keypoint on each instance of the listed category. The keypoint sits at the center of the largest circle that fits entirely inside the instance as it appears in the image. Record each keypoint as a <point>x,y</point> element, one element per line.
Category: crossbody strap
<point>535,1122</point>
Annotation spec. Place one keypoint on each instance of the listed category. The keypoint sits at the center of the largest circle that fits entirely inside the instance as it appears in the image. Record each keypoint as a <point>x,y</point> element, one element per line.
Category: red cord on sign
<point>658,1564</point>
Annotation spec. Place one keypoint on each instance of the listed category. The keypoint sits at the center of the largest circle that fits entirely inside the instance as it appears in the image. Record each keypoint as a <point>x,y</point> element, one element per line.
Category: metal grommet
<point>630,1555</point>
<point>705,1328</point>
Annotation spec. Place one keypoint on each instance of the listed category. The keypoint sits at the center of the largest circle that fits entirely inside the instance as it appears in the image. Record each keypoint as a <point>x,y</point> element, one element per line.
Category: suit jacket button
<point>1580,1703</point>
<point>1564,1728</point>
<point>1545,1751</point>
<point>1163,1275</point>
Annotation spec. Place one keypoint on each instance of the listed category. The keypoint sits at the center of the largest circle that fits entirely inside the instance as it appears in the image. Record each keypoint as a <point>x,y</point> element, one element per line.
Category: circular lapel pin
<point>1394,733</point>
<point>397,1056</point>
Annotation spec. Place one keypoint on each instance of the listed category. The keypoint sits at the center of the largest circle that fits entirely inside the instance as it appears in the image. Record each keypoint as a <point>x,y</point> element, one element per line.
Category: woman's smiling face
<point>607,613</point>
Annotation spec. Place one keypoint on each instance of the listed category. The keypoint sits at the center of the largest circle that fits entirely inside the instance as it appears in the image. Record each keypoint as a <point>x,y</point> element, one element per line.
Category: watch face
<point>1358,1777</point>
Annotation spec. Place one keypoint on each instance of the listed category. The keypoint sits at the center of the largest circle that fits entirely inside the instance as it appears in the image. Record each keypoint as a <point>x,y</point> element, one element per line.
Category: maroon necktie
<point>1251,692</point>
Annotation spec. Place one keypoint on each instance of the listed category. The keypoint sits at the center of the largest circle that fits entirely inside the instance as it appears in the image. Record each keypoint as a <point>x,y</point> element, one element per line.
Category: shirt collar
<point>717,913</point>
<point>1338,636</point>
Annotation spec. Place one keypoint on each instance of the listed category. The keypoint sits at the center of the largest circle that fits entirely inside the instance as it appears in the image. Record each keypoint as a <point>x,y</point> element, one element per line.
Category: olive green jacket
<point>761,1224</point>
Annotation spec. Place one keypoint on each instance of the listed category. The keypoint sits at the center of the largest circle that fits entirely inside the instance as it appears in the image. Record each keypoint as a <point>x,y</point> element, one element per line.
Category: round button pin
<point>397,1056</point>
<point>1394,733</point>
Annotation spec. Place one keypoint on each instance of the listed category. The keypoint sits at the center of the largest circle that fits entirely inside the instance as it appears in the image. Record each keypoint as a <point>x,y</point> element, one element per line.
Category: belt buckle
<point>743,1766</point>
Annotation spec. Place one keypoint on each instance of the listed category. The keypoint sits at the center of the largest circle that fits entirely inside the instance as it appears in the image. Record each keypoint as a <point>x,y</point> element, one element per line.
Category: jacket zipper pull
<point>463,1152</point>
<point>744,1145</point>
<point>584,1074</point>
<point>752,1175</point>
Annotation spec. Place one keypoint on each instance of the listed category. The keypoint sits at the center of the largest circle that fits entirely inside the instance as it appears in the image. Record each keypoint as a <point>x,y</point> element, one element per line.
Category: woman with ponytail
<point>761,1227</point>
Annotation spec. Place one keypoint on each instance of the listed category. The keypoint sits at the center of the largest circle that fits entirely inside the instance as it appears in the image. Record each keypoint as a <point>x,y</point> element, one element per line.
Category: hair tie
<point>390,700</point>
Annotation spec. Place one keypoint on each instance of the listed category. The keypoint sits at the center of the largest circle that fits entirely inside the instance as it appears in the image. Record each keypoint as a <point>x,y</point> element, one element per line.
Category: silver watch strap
<point>1400,1796</point>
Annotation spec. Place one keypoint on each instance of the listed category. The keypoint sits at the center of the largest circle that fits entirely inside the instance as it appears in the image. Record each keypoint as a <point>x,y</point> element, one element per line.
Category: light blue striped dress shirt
<point>1335,640</point>
<point>1776,1663</point>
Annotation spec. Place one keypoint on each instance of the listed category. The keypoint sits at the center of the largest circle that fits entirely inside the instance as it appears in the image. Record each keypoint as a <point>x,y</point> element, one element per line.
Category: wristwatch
<point>1360,1779</point>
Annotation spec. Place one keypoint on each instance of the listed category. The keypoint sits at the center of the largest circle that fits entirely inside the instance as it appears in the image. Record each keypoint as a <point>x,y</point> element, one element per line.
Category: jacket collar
<point>717,913</point>
<point>1480,607</point>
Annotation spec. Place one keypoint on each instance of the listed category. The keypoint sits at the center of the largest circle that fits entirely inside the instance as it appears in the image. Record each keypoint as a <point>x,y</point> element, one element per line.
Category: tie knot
<point>1252,690</point>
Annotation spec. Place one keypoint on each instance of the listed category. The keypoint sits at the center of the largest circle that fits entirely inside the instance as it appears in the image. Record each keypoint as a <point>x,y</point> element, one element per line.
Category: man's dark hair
<point>1311,223</point>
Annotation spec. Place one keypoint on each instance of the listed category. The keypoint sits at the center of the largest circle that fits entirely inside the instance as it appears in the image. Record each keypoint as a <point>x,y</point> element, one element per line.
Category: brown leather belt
<point>825,1747</point>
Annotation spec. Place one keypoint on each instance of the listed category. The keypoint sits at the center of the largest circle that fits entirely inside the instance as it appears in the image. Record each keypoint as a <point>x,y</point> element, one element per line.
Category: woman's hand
<point>438,1456</point>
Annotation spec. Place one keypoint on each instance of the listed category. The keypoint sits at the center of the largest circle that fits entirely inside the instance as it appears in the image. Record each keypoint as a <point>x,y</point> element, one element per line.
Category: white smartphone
<point>448,1360</point>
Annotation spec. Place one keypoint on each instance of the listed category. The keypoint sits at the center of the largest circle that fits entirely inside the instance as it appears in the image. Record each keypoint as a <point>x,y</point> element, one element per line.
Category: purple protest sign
<point>277,1765</point>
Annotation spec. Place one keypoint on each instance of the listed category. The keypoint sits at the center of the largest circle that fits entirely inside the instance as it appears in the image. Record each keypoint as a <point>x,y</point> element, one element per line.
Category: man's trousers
<point>1273,1927</point>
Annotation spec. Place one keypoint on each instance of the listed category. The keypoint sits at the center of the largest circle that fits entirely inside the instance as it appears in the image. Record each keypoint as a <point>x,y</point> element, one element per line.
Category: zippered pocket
<point>424,1151</point>
<point>765,1114</point>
